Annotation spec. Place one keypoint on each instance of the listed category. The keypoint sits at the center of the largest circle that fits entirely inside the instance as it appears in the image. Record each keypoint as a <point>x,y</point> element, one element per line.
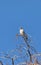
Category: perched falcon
<point>22,33</point>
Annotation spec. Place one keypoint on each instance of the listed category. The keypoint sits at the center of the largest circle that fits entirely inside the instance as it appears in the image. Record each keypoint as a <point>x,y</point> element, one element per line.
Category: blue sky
<point>17,13</point>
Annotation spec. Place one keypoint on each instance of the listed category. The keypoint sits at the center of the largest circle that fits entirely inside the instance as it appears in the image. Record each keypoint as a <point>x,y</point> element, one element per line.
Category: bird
<point>23,34</point>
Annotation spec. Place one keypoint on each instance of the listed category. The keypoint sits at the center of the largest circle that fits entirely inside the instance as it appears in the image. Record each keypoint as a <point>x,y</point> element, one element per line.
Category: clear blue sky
<point>17,13</point>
